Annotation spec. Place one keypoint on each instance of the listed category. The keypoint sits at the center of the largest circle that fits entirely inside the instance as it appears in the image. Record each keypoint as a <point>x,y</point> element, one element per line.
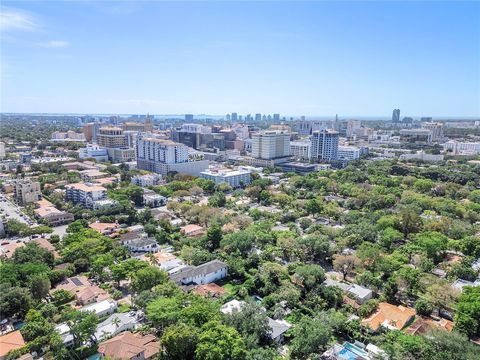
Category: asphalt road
<point>12,211</point>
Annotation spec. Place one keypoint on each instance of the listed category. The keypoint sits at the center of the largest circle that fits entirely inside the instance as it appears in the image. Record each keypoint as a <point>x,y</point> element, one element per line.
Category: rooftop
<point>11,341</point>
<point>86,187</point>
<point>389,316</point>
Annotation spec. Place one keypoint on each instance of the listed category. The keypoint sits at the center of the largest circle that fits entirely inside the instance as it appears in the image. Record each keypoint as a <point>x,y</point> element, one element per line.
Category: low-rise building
<point>203,274</point>
<point>348,153</point>
<point>389,317</point>
<point>9,342</point>
<point>146,180</point>
<point>192,230</point>
<point>50,214</point>
<point>101,308</point>
<point>141,245</point>
<point>130,346</point>
<point>154,200</point>
<point>114,325</point>
<point>234,178</point>
<point>104,228</point>
<point>85,194</point>
<point>277,329</point>
<point>93,152</point>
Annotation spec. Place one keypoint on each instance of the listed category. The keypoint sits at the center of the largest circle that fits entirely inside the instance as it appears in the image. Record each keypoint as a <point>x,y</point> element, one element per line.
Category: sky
<point>293,58</point>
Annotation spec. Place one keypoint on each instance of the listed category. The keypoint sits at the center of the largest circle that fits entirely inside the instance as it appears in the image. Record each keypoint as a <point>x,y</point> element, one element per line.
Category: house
<point>7,248</point>
<point>423,325</point>
<point>390,317</point>
<point>47,245</point>
<point>232,306</point>
<point>209,290</point>
<point>130,346</point>
<point>104,228</point>
<point>277,329</point>
<point>192,230</point>
<point>203,274</point>
<point>357,292</point>
<point>64,331</point>
<point>154,200</point>
<point>85,293</point>
<point>11,341</point>
<point>459,284</point>
<point>164,260</point>
<point>360,293</point>
<point>90,294</point>
<point>114,325</point>
<point>141,245</point>
<point>101,308</point>
<point>48,212</point>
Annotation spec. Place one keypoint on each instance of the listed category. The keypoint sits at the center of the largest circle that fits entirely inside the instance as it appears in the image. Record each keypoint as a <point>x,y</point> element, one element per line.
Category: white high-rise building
<point>325,145</point>
<point>270,145</point>
<point>163,156</point>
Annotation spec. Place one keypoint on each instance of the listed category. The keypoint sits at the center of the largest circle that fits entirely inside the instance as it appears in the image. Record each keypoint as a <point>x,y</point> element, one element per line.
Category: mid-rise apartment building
<point>348,153</point>
<point>85,194</point>
<point>111,137</point>
<point>146,180</point>
<point>301,149</point>
<point>436,128</point>
<point>269,145</point>
<point>164,156</point>
<point>234,178</point>
<point>27,191</point>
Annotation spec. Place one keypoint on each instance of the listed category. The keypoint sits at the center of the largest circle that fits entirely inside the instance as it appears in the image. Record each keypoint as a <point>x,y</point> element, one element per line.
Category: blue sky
<point>311,58</point>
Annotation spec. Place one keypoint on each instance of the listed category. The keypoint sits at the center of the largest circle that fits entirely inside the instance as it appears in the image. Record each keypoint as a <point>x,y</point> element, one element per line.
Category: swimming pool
<point>352,352</point>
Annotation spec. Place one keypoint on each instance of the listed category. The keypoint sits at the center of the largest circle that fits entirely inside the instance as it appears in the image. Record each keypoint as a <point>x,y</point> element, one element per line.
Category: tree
<point>179,341</point>
<point>147,278</point>
<point>217,200</point>
<point>345,264</point>
<point>31,253</point>
<point>433,243</point>
<point>14,228</point>
<point>199,311</point>
<point>310,336</point>
<point>423,307</point>
<point>219,342</point>
<point>82,325</point>
<point>214,237</point>
<point>39,286</point>
<point>410,222</point>
<point>310,276</point>
<point>252,323</point>
<point>14,301</point>
<point>314,206</point>
<point>441,295</point>
<point>163,312</point>
<point>467,316</point>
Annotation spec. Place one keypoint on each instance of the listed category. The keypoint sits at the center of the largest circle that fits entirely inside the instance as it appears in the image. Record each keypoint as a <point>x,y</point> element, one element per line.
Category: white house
<point>115,324</point>
<point>232,306</point>
<point>203,274</point>
<point>143,245</point>
<point>101,308</point>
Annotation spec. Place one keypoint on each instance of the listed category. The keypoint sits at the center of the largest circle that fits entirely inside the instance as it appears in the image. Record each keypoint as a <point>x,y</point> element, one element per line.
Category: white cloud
<point>53,44</point>
<point>15,19</point>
